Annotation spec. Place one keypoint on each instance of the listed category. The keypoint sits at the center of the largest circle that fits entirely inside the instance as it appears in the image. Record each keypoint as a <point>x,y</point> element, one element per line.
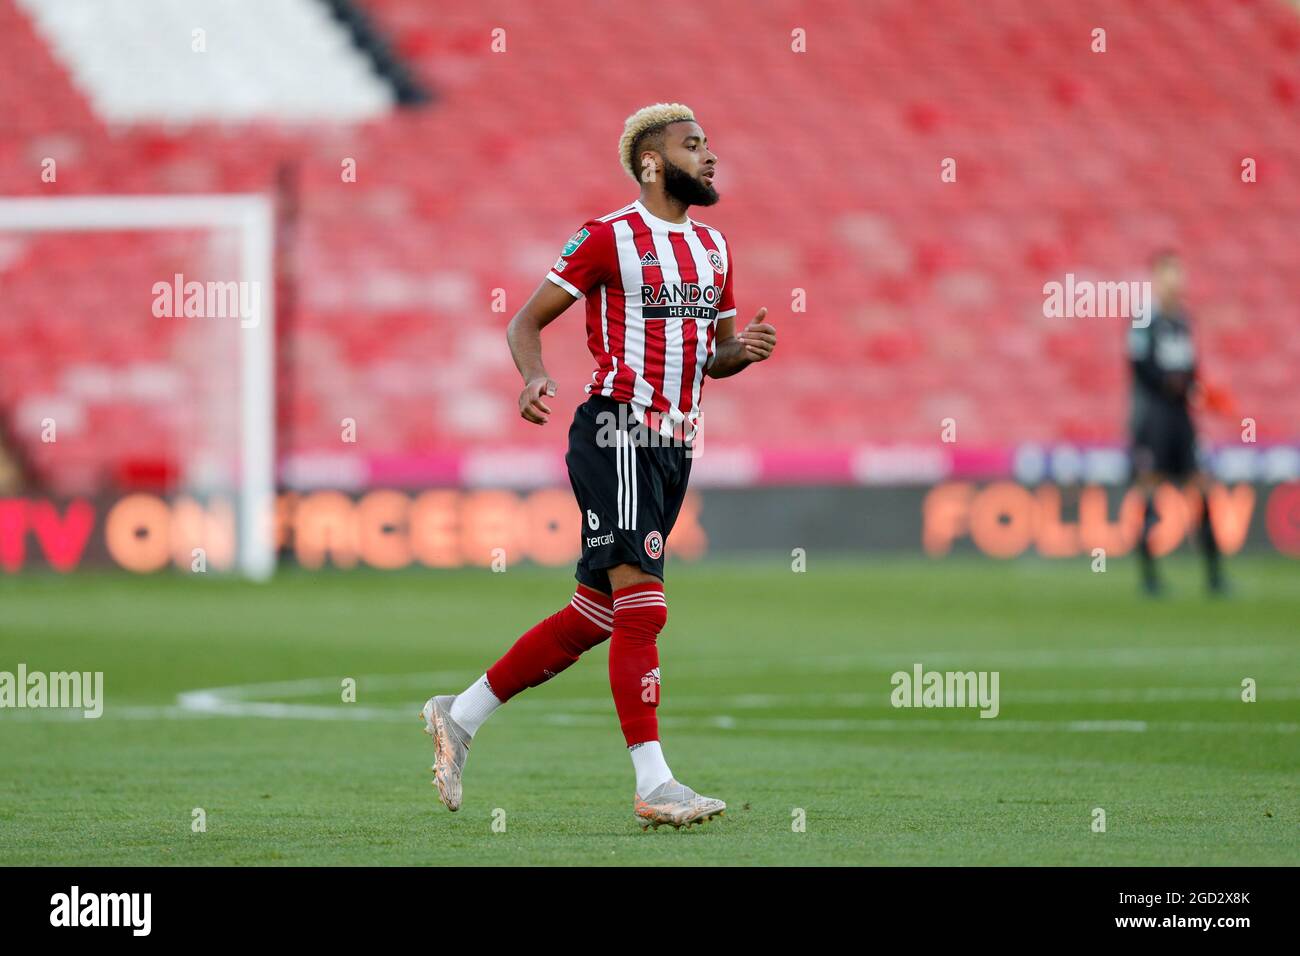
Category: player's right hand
<point>531,406</point>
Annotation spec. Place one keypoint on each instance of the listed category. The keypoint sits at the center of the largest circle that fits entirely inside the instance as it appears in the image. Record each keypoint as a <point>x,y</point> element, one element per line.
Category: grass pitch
<point>227,697</point>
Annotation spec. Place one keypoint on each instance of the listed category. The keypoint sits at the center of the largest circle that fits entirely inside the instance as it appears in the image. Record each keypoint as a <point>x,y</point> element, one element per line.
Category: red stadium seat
<point>921,294</point>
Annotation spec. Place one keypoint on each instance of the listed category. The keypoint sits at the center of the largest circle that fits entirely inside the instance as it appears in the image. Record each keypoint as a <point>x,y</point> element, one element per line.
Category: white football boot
<point>450,748</point>
<point>676,805</point>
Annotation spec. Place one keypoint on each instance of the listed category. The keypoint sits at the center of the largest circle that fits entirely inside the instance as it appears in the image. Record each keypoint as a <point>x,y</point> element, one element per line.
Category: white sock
<point>651,770</point>
<point>474,705</point>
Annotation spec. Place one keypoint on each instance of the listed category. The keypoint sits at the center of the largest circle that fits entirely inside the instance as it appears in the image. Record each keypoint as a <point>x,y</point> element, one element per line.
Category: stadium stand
<point>924,298</point>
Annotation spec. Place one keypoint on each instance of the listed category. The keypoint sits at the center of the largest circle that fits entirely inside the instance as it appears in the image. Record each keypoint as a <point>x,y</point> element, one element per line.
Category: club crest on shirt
<point>654,545</point>
<point>715,260</point>
<point>577,239</point>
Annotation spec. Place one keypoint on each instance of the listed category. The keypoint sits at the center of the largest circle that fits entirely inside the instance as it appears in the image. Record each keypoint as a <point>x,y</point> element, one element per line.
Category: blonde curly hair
<point>646,120</point>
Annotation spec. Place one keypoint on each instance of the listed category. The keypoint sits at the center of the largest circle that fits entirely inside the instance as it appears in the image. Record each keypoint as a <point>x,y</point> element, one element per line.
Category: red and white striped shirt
<point>655,291</point>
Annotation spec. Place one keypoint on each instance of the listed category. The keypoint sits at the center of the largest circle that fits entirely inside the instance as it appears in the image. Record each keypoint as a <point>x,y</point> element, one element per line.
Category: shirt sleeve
<point>585,260</point>
<point>727,304</point>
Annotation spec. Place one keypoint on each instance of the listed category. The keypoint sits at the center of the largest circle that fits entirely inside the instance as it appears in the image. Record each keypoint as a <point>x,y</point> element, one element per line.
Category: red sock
<point>553,644</point>
<point>640,613</point>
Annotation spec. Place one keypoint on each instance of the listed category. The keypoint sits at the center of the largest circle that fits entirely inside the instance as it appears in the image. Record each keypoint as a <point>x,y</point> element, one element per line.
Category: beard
<point>685,188</point>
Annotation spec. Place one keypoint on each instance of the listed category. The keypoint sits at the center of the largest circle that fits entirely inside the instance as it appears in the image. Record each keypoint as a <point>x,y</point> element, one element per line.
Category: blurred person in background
<point>1163,437</point>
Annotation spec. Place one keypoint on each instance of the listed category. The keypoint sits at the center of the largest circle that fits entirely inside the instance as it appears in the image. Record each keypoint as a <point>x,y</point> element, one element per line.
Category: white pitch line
<point>813,724</point>
<point>250,701</point>
<point>237,709</point>
<point>1070,658</point>
<point>1008,698</point>
<point>309,686</point>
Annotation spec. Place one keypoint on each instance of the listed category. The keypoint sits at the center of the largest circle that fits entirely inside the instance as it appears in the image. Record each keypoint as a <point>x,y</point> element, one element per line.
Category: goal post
<point>251,218</point>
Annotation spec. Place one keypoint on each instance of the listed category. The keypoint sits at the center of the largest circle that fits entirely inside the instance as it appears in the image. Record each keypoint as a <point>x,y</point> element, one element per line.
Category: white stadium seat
<point>144,61</point>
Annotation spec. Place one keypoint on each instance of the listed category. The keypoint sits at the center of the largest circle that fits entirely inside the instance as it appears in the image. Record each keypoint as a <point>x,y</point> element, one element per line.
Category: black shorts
<point>629,483</point>
<point>1164,441</point>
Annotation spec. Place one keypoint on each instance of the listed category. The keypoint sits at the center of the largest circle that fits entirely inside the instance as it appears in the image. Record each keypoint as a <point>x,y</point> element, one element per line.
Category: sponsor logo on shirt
<point>688,300</point>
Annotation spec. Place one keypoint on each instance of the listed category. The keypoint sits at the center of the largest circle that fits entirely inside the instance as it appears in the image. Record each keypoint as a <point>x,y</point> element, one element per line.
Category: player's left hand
<point>759,338</point>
